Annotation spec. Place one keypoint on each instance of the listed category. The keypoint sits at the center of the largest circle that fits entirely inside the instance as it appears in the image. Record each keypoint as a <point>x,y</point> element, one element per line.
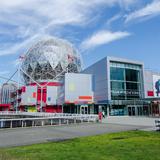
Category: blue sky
<point>97,28</point>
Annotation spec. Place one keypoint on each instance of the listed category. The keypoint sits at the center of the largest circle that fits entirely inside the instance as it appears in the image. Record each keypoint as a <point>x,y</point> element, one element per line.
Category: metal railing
<point>44,114</point>
<point>42,119</point>
<point>157,124</point>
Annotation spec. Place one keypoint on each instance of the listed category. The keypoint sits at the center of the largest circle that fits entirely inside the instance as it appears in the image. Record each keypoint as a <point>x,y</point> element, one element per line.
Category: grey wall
<point>99,72</point>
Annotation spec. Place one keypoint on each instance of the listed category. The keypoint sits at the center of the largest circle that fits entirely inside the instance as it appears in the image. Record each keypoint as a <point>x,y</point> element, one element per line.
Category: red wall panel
<point>150,93</point>
<point>53,109</point>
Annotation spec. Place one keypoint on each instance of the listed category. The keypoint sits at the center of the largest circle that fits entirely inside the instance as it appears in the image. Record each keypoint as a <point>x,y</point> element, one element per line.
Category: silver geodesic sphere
<point>50,59</point>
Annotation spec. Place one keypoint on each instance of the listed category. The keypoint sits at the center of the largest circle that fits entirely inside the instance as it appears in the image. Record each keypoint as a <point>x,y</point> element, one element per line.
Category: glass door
<point>84,109</point>
<point>131,111</point>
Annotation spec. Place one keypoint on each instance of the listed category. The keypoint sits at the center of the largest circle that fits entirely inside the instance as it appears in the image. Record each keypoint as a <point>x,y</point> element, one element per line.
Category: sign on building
<point>156,85</point>
<point>29,96</point>
<point>78,88</point>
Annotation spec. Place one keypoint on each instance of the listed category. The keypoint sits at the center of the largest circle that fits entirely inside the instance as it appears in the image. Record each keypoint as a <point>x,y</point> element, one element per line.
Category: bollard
<point>41,123</point>
<point>11,124</point>
<point>59,121</point>
<point>74,120</point>
<point>35,123</point>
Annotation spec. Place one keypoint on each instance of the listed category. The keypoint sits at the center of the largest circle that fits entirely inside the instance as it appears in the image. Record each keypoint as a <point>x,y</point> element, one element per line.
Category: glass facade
<point>126,81</point>
<point>118,110</point>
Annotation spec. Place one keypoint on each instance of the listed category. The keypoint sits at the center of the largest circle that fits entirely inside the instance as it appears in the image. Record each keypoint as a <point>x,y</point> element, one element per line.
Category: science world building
<point>54,81</point>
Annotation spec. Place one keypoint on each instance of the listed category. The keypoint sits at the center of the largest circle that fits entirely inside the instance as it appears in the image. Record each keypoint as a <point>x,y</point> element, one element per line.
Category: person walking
<point>103,113</point>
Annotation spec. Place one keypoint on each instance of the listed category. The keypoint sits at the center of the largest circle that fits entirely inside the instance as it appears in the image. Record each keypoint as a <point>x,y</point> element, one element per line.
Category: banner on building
<point>156,85</point>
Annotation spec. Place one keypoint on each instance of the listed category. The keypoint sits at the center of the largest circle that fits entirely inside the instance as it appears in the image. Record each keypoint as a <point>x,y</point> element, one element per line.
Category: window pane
<point>117,85</point>
<point>132,90</point>
<point>132,75</point>
<point>117,90</point>
<point>116,73</point>
<point>132,86</point>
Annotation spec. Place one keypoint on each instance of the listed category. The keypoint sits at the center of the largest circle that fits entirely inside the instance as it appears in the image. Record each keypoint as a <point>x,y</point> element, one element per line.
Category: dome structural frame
<point>49,59</point>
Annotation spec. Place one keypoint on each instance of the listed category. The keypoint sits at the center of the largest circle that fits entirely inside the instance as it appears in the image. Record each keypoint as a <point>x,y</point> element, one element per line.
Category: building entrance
<point>84,109</point>
<point>138,110</point>
<point>131,111</point>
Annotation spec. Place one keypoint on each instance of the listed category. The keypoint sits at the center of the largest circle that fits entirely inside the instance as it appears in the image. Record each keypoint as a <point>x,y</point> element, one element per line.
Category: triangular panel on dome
<point>37,72</point>
<point>58,69</point>
<point>29,69</point>
<point>72,68</point>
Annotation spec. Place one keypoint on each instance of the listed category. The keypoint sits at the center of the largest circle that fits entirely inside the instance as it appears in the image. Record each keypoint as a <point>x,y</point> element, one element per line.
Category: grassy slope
<point>133,145</point>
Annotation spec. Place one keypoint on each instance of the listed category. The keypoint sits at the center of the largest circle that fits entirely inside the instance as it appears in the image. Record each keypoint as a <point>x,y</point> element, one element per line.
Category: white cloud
<point>29,18</point>
<point>55,12</point>
<point>102,37</point>
<point>148,11</point>
<point>20,47</point>
<point>127,3</point>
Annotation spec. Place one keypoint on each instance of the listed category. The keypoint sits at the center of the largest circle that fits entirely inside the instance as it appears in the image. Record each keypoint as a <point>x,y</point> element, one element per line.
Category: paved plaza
<point>26,136</point>
<point>149,122</point>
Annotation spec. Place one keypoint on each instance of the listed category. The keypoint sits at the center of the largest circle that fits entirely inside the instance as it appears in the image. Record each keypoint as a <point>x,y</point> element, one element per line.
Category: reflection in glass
<point>116,73</point>
<point>132,75</point>
<point>125,81</point>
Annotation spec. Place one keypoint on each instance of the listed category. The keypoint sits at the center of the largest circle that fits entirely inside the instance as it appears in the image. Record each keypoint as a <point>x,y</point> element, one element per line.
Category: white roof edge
<point>118,59</point>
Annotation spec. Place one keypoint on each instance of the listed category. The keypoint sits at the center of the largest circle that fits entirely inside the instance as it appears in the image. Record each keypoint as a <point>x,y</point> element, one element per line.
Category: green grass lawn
<point>132,145</point>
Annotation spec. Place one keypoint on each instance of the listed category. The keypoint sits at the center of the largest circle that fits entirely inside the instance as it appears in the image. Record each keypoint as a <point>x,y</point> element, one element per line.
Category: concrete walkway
<point>148,122</point>
<point>26,136</point>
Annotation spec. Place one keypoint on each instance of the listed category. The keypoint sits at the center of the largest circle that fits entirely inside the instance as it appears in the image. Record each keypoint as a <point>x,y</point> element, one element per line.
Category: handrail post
<point>11,124</point>
<point>51,122</point>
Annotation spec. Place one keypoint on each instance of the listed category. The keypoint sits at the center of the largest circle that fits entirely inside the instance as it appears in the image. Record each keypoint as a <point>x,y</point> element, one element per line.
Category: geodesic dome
<point>50,59</point>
